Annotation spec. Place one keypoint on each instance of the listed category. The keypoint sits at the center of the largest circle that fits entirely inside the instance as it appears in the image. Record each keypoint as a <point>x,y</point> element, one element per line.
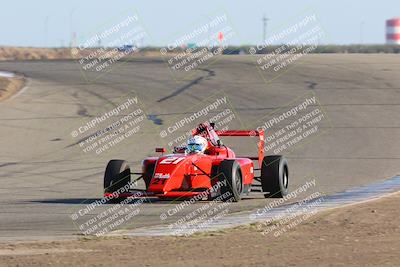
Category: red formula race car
<point>215,172</point>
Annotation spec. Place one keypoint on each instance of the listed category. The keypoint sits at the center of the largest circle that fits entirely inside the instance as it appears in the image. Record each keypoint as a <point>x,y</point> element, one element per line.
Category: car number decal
<point>172,160</point>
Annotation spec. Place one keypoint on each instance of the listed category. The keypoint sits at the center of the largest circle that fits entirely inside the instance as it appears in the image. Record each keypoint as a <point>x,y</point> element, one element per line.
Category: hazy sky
<point>345,21</point>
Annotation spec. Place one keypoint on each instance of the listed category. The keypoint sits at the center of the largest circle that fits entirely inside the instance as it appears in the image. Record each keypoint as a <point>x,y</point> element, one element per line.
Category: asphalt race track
<point>45,175</point>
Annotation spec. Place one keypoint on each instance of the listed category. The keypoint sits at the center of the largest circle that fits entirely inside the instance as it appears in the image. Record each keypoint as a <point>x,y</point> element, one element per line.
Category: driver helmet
<point>196,144</point>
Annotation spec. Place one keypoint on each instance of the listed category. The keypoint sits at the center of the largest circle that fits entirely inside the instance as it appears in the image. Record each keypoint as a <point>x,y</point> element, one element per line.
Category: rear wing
<point>250,133</point>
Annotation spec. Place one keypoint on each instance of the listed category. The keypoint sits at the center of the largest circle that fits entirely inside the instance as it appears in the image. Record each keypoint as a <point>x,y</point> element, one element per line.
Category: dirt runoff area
<point>365,234</point>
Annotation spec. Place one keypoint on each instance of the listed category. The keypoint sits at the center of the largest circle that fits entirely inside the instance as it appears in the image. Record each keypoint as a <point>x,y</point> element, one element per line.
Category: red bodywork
<point>181,175</point>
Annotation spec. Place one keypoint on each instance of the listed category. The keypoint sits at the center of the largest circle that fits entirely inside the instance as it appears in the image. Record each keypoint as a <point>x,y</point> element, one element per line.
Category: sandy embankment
<point>10,86</point>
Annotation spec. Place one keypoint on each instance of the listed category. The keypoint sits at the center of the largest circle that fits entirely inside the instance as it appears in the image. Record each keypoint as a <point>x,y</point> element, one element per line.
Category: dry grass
<point>32,53</point>
<point>23,53</point>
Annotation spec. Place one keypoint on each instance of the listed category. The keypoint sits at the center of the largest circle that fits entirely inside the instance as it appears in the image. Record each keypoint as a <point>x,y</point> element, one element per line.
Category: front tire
<point>116,176</point>
<point>148,174</point>
<point>275,176</point>
<point>230,174</point>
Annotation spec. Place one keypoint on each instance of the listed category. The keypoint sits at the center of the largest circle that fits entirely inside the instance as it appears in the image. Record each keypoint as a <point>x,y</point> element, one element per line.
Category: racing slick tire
<point>116,176</point>
<point>229,171</point>
<point>148,174</point>
<point>275,176</point>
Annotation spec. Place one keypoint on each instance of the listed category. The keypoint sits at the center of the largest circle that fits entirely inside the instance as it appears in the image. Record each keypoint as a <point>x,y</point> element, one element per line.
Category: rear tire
<point>275,176</point>
<point>116,176</point>
<point>229,171</point>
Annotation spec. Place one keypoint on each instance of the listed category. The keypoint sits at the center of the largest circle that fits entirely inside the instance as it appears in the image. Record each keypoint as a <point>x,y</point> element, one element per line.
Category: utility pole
<point>264,19</point>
